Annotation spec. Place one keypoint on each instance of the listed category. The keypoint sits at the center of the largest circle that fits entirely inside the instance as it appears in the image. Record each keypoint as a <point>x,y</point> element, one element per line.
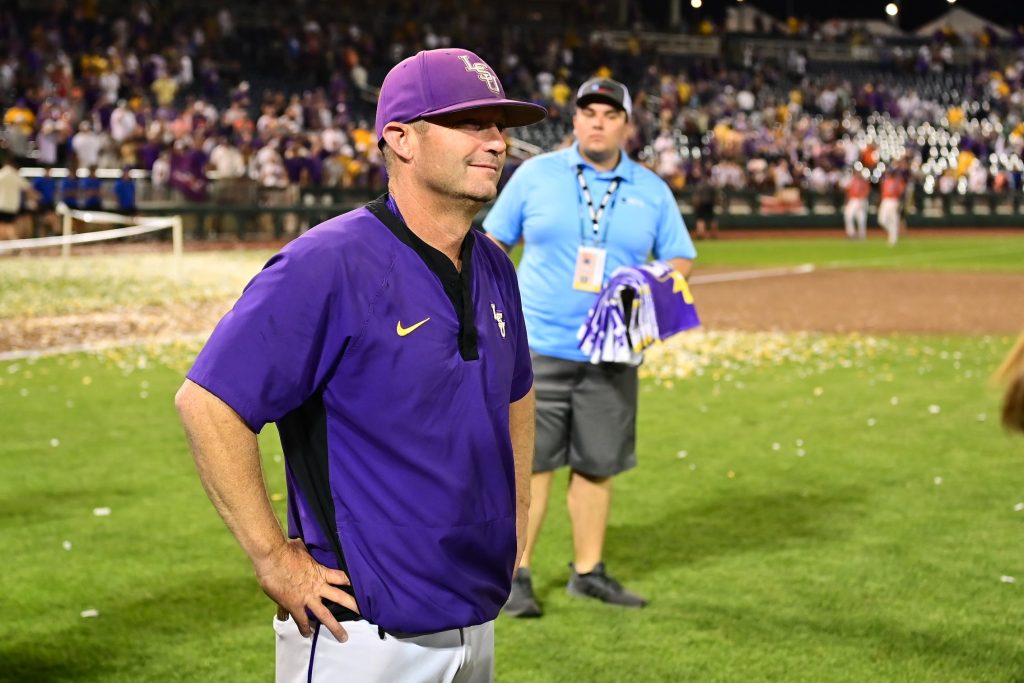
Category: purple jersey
<point>389,375</point>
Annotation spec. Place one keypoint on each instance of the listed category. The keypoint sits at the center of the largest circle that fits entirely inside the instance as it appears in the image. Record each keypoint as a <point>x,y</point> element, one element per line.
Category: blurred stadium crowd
<point>231,102</point>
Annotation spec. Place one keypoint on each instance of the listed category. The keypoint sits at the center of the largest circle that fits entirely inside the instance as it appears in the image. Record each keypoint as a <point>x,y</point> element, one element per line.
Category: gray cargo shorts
<point>586,416</point>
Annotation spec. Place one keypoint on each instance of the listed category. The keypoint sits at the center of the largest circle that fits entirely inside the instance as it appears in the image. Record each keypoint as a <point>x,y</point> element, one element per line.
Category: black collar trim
<point>457,285</point>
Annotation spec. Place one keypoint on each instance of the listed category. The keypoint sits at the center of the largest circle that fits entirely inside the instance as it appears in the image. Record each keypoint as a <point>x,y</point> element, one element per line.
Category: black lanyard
<point>595,215</point>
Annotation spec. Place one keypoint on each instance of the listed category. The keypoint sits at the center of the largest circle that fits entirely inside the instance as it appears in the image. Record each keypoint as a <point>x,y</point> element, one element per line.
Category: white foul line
<point>751,274</point>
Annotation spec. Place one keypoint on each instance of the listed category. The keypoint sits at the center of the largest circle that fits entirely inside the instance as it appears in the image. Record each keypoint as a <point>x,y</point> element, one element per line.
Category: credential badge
<point>483,72</point>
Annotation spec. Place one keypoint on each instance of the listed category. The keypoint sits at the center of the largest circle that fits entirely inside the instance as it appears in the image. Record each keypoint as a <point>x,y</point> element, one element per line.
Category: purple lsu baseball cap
<point>434,82</point>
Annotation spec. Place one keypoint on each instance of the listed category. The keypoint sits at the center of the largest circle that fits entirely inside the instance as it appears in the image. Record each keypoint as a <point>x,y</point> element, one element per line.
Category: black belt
<point>340,612</point>
<point>343,614</point>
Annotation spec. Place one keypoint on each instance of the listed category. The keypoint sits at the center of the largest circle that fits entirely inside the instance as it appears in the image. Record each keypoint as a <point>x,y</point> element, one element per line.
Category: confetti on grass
<point>722,353</point>
<point>47,304</point>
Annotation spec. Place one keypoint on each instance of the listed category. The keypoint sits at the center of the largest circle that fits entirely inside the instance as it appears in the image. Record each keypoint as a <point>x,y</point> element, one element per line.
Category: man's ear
<point>399,137</point>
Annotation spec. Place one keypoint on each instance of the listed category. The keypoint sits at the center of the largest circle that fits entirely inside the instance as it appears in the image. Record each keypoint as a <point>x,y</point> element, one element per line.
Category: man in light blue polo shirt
<point>581,213</point>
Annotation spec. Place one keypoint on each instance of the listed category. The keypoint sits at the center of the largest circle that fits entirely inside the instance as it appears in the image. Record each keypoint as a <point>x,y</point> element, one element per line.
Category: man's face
<point>461,154</point>
<point>601,129</point>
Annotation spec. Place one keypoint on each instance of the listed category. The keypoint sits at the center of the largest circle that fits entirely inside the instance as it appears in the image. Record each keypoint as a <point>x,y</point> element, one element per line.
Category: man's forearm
<point>227,457</point>
<point>683,265</point>
<point>522,427</point>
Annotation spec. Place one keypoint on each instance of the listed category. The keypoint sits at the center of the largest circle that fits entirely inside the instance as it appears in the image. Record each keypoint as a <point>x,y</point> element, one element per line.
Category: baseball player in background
<point>893,187</point>
<point>855,213</point>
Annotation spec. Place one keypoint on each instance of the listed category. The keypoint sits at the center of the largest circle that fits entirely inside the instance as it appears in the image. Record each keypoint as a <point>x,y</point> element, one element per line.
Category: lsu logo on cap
<point>483,72</point>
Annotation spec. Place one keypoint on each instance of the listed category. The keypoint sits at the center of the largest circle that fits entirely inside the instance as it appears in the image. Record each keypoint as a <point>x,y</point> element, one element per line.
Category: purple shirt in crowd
<point>389,375</point>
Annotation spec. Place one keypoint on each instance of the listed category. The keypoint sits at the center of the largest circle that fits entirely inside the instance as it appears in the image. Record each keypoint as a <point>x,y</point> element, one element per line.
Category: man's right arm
<point>227,457</point>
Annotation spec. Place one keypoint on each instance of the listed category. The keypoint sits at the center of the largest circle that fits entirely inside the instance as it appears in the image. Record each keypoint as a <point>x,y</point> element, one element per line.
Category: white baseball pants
<point>855,217</point>
<point>889,218</point>
<point>463,655</point>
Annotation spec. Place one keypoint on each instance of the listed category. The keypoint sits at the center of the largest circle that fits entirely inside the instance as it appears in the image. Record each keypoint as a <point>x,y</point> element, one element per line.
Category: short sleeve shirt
<point>543,205</point>
<point>394,378</point>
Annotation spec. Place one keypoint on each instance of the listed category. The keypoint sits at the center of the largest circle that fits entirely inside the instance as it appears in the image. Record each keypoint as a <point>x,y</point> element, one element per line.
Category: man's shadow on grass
<point>684,535</point>
<point>884,649</point>
<point>39,506</point>
<point>155,620</point>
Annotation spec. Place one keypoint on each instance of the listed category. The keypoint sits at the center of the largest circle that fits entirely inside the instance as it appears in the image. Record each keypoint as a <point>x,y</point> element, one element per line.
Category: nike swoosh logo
<point>402,331</point>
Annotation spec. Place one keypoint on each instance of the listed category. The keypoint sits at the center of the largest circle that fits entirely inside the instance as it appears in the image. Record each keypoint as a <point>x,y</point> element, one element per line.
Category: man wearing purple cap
<point>388,345</point>
<point>582,213</point>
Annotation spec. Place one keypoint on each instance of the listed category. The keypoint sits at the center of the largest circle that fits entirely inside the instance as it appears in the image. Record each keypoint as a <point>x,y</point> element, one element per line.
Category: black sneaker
<point>597,584</point>
<point>521,602</point>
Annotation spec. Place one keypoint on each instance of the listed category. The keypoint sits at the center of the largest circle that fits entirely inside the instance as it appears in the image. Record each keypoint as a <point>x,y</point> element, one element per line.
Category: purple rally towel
<point>662,306</point>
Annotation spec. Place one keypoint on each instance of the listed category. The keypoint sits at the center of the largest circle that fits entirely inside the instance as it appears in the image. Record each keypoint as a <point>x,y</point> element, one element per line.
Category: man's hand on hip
<point>295,581</point>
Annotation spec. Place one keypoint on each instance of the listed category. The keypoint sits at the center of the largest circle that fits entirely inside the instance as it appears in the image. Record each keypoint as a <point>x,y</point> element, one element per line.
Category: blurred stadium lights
<point>892,9</point>
<point>696,4</point>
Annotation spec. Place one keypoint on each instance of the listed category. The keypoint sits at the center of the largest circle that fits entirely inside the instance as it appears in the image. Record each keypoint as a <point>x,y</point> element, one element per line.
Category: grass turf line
<point>1003,253</point>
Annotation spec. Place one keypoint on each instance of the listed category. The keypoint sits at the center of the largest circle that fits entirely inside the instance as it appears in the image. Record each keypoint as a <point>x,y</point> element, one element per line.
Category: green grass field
<point>992,253</point>
<point>807,508</point>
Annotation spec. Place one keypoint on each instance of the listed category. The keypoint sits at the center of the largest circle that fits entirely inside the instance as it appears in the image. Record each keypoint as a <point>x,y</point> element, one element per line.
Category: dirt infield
<point>101,328</point>
<point>826,300</point>
<point>867,301</point>
<point>834,301</point>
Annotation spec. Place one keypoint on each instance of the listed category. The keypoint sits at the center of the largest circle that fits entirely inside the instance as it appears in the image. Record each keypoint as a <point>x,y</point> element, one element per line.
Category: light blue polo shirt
<point>544,205</point>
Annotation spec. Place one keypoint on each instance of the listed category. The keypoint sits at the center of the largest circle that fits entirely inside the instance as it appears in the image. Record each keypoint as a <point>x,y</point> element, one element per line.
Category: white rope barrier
<point>135,225</point>
<point>84,237</point>
<point>102,216</point>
